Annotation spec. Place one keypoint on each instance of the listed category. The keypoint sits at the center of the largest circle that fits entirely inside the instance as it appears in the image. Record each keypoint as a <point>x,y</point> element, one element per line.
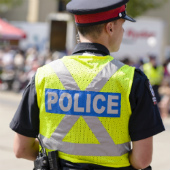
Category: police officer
<point>154,72</point>
<point>90,106</point>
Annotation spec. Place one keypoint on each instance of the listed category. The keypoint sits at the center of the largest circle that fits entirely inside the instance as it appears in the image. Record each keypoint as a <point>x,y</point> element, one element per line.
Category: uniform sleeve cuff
<point>15,126</point>
<point>147,133</point>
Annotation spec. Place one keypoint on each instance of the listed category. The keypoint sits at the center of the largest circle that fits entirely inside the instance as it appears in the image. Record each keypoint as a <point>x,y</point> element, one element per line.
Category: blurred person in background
<point>8,73</point>
<point>127,61</point>
<point>19,60</point>
<point>1,67</point>
<point>1,63</point>
<point>155,74</point>
<point>31,56</point>
<point>19,65</point>
<point>140,64</point>
<point>166,66</point>
<point>164,91</point>
<point>8,58</point>
<point>34,66</point>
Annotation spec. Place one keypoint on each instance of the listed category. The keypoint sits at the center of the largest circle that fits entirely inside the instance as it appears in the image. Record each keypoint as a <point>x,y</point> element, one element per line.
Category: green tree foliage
<point>138,7</point>
<point>6,5</point>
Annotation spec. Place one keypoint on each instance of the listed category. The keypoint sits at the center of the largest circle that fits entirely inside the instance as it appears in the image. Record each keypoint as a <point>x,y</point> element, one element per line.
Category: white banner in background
<point>144,37</point>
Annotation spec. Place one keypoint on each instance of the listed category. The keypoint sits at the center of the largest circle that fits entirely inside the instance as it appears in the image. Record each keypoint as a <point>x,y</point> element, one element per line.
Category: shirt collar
<point>93,48</point>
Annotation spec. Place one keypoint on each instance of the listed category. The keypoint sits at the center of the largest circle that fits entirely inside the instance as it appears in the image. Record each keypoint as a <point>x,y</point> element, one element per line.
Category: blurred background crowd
<point>17,67</point>
<point>35,32</point>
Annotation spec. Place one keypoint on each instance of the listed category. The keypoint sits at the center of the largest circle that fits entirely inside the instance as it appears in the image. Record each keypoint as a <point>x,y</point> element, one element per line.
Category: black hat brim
<point>126,17</point>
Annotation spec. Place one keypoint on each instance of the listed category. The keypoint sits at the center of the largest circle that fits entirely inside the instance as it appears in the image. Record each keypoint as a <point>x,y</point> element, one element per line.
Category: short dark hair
<point>93,30</point>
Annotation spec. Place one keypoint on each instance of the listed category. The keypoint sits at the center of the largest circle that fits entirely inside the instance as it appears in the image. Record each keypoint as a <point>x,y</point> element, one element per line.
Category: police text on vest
<point>85,103</point>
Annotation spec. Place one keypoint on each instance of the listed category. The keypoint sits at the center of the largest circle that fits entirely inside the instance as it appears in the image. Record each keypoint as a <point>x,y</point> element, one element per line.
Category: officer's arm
<point>141,154</point>
<point>25,147</point>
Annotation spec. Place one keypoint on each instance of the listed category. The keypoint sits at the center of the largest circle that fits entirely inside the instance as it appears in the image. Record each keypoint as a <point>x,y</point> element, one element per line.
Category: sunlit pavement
<point>8,104</point>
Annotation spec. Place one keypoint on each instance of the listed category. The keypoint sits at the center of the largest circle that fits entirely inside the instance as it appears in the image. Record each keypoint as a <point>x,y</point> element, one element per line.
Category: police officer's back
<point>89,106</point>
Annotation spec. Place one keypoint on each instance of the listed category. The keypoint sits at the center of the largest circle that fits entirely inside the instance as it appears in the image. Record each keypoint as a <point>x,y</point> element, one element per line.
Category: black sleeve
<point>26,118</point>
<point>145,120</point>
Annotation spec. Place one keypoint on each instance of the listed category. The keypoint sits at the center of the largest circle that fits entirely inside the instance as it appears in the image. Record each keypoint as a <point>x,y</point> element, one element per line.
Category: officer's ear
<point>110,26</point>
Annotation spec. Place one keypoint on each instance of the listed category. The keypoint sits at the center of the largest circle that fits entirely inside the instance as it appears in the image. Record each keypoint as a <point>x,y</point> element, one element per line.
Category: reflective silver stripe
<point>107,145</point>
<point>64,75</point>
<point>104,75</point>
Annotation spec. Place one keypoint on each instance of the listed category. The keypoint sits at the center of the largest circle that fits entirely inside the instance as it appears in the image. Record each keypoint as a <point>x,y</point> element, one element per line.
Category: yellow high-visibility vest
<point>85,109</point>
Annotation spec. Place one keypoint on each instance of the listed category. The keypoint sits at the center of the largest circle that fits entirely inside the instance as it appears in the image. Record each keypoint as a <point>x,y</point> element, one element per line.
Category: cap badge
<point>120,15</point>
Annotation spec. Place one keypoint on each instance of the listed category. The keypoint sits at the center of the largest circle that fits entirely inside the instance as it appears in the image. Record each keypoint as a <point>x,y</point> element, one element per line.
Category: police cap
<point>91,12</point>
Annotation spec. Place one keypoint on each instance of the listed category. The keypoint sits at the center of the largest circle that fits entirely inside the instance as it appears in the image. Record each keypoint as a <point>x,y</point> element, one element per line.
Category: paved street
<point>8,104</point>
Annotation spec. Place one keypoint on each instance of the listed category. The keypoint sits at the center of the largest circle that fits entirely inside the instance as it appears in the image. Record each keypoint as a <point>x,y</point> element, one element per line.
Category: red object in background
<point>10,32</point>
